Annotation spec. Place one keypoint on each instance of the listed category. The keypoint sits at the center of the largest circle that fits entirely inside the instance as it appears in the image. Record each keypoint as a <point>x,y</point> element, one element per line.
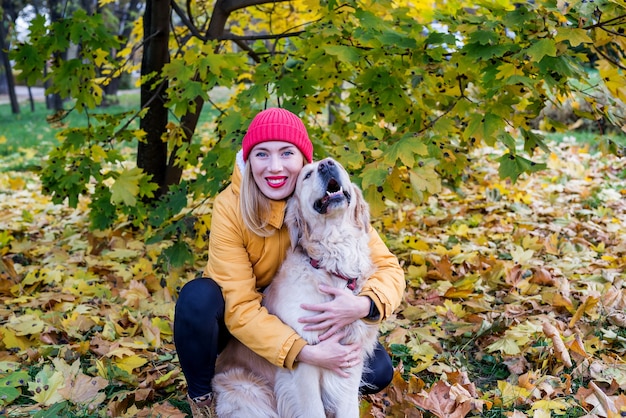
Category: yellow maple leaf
<point>506,345</point>
<point>448,306</point>
<point>46,386</point>
<point>79,387</point>
<point>11,340</point>
<point>28,324</point>
<point>511,393</point>
<point>130,363</point>
<point>412,241</point>
<point>559,406</point>
<point>425,180</point>
<point>100,56</point>
<point>575,36</point>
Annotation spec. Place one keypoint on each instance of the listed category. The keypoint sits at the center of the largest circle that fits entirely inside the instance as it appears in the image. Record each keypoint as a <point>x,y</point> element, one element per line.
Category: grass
<point>27,137</point>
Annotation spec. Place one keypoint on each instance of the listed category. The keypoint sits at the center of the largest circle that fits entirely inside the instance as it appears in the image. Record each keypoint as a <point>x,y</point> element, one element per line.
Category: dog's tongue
<point>330,195</point>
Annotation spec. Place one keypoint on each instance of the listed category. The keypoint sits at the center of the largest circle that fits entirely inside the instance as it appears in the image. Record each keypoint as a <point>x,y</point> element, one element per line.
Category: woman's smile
<point>276,182</point>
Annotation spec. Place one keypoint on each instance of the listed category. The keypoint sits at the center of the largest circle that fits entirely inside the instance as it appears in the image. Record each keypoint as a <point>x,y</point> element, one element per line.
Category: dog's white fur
<point>247,385</point>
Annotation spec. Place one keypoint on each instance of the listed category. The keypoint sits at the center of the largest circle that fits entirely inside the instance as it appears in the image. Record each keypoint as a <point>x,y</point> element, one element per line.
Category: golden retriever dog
<point>328,222</point>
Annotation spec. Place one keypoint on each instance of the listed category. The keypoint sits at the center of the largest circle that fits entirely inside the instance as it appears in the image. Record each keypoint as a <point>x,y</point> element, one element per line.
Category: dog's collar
<point>351,280</point>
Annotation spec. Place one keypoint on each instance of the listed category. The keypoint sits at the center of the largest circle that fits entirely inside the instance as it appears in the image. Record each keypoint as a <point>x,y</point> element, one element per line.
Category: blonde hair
<point>255,206</point>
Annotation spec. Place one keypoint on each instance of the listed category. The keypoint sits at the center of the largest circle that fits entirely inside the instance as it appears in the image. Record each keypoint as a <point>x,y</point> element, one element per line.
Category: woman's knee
<point>200,296</point>
<point>379,371</point>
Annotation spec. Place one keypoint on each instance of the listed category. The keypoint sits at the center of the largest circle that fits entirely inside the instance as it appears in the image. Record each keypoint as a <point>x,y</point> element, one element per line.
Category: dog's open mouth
<point>335,194</point>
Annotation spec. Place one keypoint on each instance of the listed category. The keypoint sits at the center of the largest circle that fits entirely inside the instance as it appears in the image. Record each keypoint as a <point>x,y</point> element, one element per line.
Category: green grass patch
<point>26,138</point>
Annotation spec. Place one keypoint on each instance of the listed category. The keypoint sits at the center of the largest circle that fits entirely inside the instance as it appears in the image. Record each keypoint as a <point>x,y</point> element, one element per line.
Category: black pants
<point>200,335</point>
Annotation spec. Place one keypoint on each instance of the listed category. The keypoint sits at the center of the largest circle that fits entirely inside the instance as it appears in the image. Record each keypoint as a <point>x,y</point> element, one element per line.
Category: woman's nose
<point>275,163</point>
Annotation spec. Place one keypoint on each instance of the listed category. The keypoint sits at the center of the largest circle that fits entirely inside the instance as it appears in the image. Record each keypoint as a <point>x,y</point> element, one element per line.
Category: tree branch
<point>609,59</point>
<point>223,9</point>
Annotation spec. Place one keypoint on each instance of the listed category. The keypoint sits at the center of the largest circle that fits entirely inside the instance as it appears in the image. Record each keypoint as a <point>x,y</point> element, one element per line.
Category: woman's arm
<point>387,285</point>
<point>385,289</point>
<point>230,266</point>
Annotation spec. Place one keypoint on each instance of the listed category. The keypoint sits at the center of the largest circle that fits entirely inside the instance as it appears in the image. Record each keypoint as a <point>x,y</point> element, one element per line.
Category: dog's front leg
<point>298,392</point>
<point>341,394</point>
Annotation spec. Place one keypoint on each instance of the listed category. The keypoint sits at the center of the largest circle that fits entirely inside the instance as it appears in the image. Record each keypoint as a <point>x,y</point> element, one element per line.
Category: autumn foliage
<point>515,304</point>
<point>513,245</point>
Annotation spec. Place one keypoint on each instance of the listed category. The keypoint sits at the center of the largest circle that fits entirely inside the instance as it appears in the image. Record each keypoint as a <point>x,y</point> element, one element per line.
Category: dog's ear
<point>361,209</point>
<point>294,221</point>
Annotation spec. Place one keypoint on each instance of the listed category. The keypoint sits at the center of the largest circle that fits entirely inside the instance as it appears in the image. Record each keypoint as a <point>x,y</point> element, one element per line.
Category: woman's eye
<point>261,154</point>
<point>288,153</point>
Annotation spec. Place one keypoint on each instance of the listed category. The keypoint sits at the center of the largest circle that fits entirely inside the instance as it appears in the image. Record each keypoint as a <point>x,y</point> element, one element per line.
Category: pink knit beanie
<point>276,124</point>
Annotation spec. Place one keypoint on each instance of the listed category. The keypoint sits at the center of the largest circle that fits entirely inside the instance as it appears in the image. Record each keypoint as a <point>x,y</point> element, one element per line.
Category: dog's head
<point>324,194</point>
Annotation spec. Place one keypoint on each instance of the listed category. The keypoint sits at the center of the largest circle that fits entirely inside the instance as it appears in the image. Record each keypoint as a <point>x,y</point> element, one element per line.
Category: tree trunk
<point>15,107</point>
<point>152,153</point>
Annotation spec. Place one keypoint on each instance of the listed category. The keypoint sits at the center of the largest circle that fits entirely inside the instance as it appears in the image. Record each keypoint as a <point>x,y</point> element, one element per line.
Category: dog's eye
<point>307,175</point>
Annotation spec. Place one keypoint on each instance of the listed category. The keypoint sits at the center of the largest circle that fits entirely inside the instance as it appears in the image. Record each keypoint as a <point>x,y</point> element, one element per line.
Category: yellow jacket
<point>242,263</point>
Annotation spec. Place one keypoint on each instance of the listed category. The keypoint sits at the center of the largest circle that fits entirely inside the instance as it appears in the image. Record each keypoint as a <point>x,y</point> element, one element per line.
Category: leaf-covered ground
<point>515,305</point>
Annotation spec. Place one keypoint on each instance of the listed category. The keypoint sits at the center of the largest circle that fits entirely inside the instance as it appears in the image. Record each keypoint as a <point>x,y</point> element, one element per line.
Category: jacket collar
<point>277,211</point>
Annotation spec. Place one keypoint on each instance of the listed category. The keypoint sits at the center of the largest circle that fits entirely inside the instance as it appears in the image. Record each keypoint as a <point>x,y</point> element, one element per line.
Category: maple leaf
<point>128,364</point>
<point>78,387</point>
<point>125,189</point>
<point>135,293</point>
<point>46,386</point>
<point>10,384</point>
<point>445,401</point>
<point>506,345</point>
<point>522,256</point>
<point>27,324</point>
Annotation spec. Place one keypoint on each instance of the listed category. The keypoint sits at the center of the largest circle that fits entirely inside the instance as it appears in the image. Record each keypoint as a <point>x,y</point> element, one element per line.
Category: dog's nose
<point>325,166</point>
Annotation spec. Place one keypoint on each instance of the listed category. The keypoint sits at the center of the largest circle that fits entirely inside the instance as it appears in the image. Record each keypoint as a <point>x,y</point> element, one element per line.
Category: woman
<point>247,244</point>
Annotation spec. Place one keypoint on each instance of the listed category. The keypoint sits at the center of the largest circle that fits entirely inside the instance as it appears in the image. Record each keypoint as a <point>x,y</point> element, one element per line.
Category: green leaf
<point>343,53</point>
<point>374,176</point>
<point>102,214</point>
<point>485,128</point>
<point>405,150</point>
<point>57,410</point>
<point>540,49</point>
<point>425,179</point>
<point>126,186</point>
<point>178,254</point>
<point>533,140</point>
<point>484,37</point>
<point>169,205</point>
<point>512,166</point>
<point>477,51</point>
<point>9,386</point>
<point>575,36</point>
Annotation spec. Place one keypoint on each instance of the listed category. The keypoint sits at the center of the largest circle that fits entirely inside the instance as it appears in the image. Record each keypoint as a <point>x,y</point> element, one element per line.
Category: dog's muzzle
<point>335,193</point>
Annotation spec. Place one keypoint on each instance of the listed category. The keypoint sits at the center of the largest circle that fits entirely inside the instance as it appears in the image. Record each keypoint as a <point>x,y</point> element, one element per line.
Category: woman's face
<point>275,168</point>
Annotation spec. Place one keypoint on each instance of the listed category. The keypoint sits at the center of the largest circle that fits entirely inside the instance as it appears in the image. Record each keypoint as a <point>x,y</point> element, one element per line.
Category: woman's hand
<point>331,354</point>
<point>332,316</point>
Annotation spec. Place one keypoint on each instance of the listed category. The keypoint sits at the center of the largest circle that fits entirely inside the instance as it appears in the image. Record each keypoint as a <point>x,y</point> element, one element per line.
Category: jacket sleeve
<point>386,286</point>
<point>229,265</point>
